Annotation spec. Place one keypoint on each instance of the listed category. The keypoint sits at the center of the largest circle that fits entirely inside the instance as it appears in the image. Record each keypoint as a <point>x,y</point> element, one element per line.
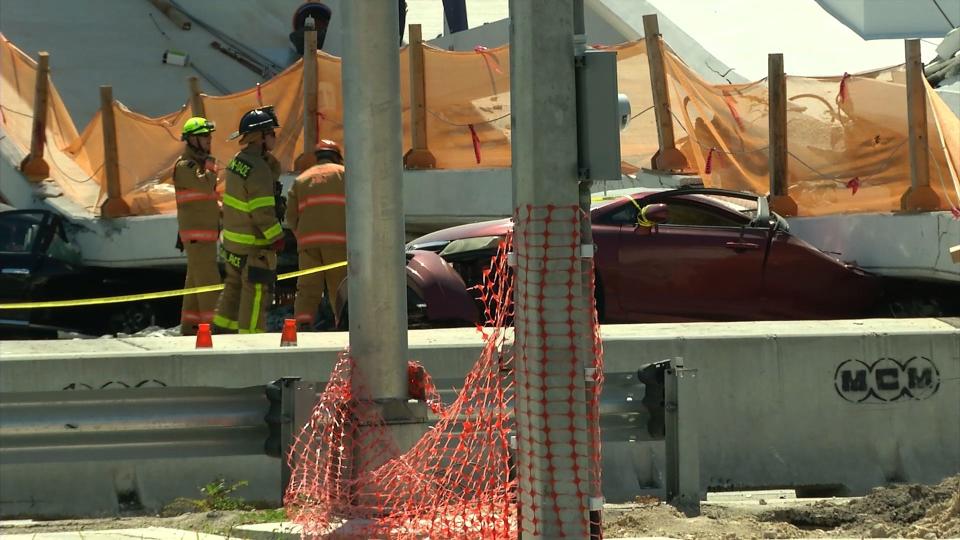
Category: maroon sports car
<point>712,255</point>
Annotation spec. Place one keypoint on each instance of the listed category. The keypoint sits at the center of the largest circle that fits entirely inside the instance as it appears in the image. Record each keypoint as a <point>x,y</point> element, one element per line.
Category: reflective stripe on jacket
<point>316,206</point>
<point>198,214</point>
<point>249,218</point>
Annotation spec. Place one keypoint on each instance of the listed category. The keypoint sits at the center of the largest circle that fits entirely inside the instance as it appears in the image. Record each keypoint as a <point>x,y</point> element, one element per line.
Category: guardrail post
<point>667,158</point>
<point>682,438</point>
<point>920,196</point>
<point>33,165</point>
<point>114,205</point>
<point>419,155</point>
<point>780,200</point>
<point>196,101</point>
<point>310,82</point>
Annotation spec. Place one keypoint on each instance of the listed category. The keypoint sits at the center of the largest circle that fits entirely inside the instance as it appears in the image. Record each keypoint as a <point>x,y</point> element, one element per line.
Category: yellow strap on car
<point>642,220</point>
<point>156,295</point>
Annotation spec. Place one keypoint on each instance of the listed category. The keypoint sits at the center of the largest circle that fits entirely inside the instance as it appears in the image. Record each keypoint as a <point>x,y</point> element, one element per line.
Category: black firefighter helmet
<point>259,119</point>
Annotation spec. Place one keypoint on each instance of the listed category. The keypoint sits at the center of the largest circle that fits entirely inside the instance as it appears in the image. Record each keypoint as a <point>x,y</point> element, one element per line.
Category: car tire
<point>133,318</point>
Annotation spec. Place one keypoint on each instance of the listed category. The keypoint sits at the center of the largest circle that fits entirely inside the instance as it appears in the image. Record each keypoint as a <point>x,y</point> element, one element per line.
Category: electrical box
<point>599,112</point>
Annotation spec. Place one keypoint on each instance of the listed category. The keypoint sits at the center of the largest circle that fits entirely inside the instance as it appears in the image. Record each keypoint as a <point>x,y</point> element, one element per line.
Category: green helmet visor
<point>197,126</point>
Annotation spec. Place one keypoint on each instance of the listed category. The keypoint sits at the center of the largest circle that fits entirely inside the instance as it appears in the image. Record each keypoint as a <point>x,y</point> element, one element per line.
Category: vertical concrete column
<point>374,168</point>
<point>667,158</point>
<point>196,101</point>
<point>419,156</point>
<point>33,165</point>
<point>553,455</point>
<point>114,205</point>
<point>920,196</point>
<point>780,200</point>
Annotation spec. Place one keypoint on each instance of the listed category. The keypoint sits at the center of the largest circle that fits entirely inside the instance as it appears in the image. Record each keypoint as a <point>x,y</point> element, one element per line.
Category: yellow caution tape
<point>155,295</point>
<point>642,220</point>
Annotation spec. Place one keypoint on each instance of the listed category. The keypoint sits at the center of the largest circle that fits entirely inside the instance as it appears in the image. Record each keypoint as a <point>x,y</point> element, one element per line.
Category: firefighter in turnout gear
<point>198,218</point>
<point>252,234</point>
<point>316,212</point>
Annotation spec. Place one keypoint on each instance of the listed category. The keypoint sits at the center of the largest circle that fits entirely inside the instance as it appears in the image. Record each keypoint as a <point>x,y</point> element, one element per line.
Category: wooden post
<point>419,155</point>
<point>310,82</point>
<point>114,206</point>
<point>196,101</point>
<point>920,196</point>
<point>667,158</point>
<point>780,200</point>
<point>33,165</point>
<point>174,14</point>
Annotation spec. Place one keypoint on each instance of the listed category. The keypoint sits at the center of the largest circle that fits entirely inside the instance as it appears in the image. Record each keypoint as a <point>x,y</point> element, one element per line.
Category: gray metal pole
<point>373,147</point>
<point>553,464</point>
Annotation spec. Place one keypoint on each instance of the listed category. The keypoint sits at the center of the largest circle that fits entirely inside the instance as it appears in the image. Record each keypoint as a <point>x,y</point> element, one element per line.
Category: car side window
<point>625,215</point>
<point>685,213</point>
<point>18,232</point>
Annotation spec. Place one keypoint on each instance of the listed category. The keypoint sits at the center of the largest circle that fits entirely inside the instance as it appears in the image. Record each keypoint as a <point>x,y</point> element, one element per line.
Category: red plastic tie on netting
<point>476,142</point>
<point>708,167</point>
<point>734,110</point>
<point>420,387</point>
<point>854,185</point>
<point>844,92</point>
<point>493,63</point>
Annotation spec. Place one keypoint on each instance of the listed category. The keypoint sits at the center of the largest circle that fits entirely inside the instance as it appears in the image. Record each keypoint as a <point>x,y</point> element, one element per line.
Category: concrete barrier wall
<point>840,405</point>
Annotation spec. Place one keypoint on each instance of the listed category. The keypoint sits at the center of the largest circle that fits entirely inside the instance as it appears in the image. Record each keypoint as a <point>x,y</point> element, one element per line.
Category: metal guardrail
<point>183,422</point>
<point>131,423</point>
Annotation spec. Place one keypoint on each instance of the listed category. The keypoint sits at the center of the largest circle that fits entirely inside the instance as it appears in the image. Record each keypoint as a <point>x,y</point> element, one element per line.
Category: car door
<point>704,263</point>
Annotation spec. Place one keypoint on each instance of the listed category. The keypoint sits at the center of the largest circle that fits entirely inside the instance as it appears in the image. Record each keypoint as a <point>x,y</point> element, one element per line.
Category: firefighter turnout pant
<point>311,286</point>
<point>201,271</point>
<point>247,292</point>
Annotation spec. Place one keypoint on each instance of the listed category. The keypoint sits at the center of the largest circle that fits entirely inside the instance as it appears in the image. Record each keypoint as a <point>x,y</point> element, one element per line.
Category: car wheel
<point>133,318</point>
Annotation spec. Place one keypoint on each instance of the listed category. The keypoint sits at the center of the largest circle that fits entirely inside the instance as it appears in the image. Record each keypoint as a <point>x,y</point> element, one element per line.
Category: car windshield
<point>19,231</point>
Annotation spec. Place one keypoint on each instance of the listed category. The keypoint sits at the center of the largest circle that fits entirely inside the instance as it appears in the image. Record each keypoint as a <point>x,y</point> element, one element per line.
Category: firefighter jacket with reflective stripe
<point>198,212</point>
<point>316,206</point>
<point>249,218</point>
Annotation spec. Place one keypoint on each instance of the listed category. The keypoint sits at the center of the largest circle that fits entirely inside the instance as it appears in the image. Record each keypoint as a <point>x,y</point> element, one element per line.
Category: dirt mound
<point>910,510</point>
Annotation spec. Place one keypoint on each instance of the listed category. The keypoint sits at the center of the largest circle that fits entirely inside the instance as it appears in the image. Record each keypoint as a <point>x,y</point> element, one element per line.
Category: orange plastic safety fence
<point>846,136</point>
<point>350,478</point>
<point>558,374</point>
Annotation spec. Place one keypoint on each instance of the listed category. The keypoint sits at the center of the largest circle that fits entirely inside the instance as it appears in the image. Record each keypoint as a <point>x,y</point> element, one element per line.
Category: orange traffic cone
<point>288,338</point>
<point>204,340</point>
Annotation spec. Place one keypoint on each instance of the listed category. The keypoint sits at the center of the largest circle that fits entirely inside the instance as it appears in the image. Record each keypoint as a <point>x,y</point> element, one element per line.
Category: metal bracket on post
<point>291,402</point>
<point>682,438</point>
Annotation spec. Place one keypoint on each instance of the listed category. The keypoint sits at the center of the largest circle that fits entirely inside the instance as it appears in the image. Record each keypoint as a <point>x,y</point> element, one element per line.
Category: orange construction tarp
<point>846,136</point>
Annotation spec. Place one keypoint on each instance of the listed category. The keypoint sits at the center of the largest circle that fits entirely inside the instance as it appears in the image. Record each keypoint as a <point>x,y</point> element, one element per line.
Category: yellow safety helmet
<point>197,125</point>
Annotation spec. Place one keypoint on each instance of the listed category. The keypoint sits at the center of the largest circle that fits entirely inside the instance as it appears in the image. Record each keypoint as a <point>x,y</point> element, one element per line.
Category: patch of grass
<point>217,495</point>
<point>270,515</point>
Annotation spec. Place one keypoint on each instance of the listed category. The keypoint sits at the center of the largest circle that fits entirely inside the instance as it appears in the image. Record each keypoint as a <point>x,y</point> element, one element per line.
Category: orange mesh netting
<point>350,479</point>
<point>846,136</point>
